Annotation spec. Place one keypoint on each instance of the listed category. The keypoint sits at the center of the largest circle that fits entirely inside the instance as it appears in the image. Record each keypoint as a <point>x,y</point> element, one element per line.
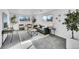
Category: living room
<point>21,24</point>
<point>39,23</point>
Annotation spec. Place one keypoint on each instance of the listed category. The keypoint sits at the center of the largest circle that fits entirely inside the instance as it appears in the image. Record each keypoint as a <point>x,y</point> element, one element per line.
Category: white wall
<point>60,28</point>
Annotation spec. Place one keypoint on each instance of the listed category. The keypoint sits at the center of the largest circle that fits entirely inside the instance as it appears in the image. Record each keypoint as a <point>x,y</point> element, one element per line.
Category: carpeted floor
<point>14,38</point>
<point>47,42</point>
<point>50,42</point>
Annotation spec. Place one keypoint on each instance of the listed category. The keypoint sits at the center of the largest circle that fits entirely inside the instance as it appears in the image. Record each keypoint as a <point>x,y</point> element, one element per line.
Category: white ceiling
<point>29,11</point>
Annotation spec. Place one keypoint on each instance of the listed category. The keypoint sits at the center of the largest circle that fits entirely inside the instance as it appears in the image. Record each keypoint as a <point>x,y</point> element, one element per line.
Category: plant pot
<point>72,43</point>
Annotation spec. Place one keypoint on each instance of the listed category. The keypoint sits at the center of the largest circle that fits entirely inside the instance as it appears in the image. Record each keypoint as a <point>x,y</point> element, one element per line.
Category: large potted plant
<point>72,21</point>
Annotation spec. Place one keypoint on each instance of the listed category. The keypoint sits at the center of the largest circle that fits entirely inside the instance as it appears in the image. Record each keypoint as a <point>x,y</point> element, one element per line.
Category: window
<point>48,18</point>
<point>5,20</point>
<point>24,18</point>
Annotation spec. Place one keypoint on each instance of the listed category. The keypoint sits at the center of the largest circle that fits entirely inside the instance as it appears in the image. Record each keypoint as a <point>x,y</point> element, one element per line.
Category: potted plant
<point>13,20</point>
<point>72,21</point>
